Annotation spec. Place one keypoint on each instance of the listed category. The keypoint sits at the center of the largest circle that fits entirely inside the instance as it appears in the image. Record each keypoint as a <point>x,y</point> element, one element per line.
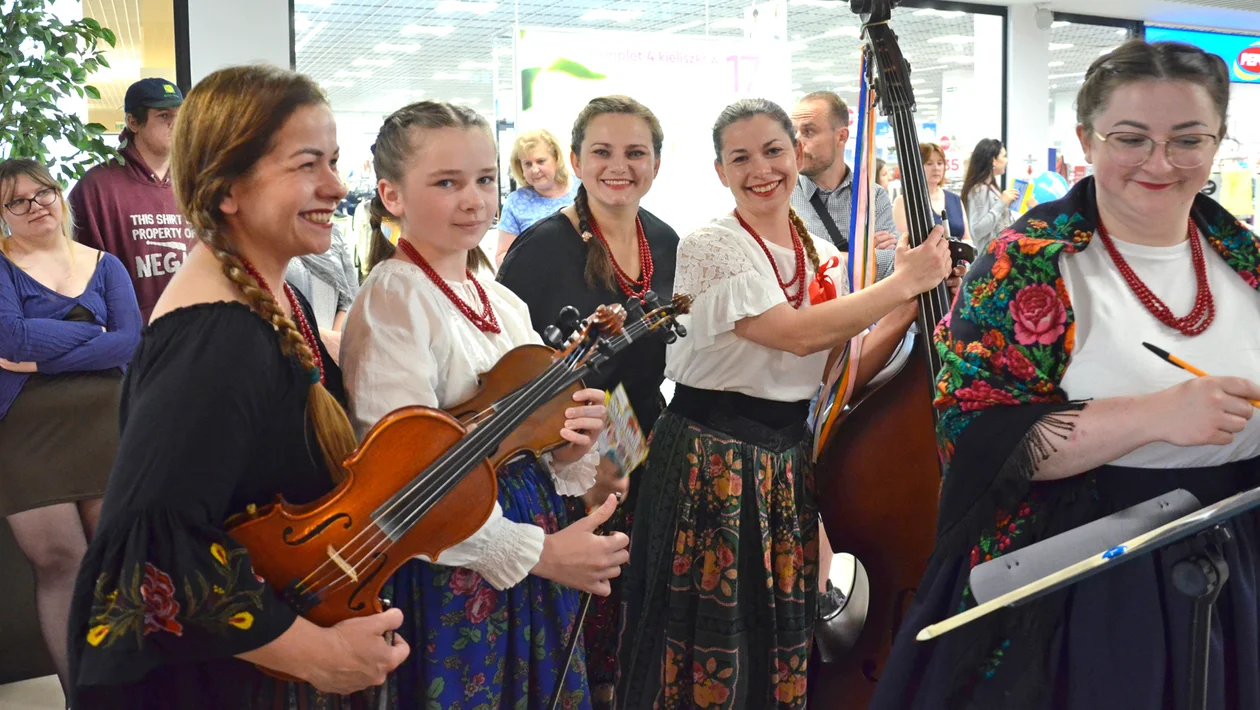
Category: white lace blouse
<point>724,268</point>
<point>406,344</point>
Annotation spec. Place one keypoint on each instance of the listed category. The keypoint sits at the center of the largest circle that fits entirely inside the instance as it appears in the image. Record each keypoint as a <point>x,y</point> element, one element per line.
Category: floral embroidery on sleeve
<point>147,601</point>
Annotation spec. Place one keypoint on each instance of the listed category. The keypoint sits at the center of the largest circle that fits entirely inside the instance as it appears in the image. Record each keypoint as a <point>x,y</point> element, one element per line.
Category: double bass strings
<point>455,464</point>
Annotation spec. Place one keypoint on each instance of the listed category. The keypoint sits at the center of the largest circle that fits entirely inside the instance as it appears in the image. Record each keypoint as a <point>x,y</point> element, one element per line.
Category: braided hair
<point>743,110</point>
<point>599,266</point>
<point>226,124</point>
<point>394,148</point>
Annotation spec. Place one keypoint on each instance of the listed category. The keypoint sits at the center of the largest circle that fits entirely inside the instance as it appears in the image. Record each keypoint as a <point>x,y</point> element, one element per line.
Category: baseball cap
<point>153,93</point>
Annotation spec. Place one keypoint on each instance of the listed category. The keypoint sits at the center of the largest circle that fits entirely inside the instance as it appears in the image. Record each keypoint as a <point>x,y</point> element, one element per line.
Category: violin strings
<point>460,460</point>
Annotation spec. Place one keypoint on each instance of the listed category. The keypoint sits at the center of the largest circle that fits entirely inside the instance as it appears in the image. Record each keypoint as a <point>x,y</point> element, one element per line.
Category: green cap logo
<point>168,88</point>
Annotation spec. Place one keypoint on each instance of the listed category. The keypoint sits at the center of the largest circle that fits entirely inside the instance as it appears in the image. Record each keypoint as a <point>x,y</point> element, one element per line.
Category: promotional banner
<point>685,80</point>
<point>1240,52</point>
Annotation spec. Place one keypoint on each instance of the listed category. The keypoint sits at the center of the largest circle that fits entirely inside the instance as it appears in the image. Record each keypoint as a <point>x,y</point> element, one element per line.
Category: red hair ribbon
<point>823,288</point>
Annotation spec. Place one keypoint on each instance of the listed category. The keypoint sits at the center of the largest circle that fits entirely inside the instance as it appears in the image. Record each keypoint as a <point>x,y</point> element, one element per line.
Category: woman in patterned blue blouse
<point>546,186</point>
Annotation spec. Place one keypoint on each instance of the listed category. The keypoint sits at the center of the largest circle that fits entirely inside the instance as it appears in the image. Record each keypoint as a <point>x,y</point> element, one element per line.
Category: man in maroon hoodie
<point>127,208</point>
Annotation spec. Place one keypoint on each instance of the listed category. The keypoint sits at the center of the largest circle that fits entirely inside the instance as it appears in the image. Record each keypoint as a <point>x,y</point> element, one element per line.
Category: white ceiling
<point>365,51</point>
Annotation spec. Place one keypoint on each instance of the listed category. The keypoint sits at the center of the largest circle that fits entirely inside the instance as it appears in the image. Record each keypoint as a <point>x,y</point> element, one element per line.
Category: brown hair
<point>836,106</point>
<point>226,125</point>
<point>529,140</point>
<point>11,169</point>
<point>1139,60</point>
<point>599,266</point>
<point>745,109</point>
<point>395,145</point>
<point>926,151</point>
<point>980,166</point>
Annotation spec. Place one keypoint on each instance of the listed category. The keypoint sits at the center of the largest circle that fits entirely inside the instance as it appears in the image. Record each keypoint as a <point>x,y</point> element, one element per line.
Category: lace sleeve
<point>725,283</point>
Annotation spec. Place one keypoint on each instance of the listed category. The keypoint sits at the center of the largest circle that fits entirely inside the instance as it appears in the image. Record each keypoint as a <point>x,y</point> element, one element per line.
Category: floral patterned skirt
<point>720,593</point>
<point>476,648</point>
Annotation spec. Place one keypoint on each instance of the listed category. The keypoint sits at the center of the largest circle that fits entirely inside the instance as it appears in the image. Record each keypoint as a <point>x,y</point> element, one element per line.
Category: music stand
<point>1197,538</point>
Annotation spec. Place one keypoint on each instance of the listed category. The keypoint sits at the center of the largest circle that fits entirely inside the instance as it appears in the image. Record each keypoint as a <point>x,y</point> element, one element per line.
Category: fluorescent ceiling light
<point>1122,32</point>
<point>932,68</point>
<point>343,74</point>
<point>301,23</point>
<point>365,62</point>
<point>605,14</point>
<point>728,23</point>
<point>476,8</point>
<point>951,39</point>
<point>478,65</point>
<point>838,4</point>
<point>1055,46</point>
<point>1060,23</point>
<point>316,3</point>
<point>310,34</point>
<point>796,86</point>
<point>336,84</point>
<point>1055,64</point>
<point>1064,76</point>
<point>939,13</point>
<point>958,59</point>
<point>431,30</point>
<point>452,76</point>
<point>829,78</point>
<point>404,48</point>
<point>684,26</point>
<point>847,88</point>
<point>1107,51</point>
<point>918,81</point>
<point>471,102</point>
<point>812,65</point>
<point>928,100</point>
<point>917,92</point>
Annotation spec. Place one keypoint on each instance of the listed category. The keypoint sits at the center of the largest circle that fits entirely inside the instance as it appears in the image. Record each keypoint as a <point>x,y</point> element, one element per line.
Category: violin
<point>421,480</point>
<point>879,474</point>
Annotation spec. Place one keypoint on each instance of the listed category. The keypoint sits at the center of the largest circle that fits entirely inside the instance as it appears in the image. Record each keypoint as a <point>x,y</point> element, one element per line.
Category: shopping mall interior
<point>1004,69</point>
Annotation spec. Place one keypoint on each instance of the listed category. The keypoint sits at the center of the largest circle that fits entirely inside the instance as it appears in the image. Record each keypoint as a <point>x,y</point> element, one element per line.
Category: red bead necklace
<point>485,321</point>
<point>1204,310</point>
<point>797,246</point>
<point>308,335</point>
<point>630,287</point>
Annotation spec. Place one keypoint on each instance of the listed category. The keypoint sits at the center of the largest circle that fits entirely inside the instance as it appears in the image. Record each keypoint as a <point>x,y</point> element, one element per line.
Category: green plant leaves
<point>561,65</point>
<point>574,69</point>
<point>34,78</point>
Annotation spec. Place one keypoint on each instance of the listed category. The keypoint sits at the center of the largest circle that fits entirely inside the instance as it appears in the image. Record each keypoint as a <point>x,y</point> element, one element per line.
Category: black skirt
<point>58,439</point>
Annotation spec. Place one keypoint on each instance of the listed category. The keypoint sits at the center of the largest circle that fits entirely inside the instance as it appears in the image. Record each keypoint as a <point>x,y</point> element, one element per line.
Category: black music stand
<point>1195,540</point>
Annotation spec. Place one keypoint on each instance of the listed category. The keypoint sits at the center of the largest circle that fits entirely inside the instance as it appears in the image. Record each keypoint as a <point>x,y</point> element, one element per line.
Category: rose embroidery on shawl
<point>981,395</point>
<point>1039,315</point>
<point>480,606</point>
<point>464,581</point>
<point>160,607</point>
<point>1018,364</point>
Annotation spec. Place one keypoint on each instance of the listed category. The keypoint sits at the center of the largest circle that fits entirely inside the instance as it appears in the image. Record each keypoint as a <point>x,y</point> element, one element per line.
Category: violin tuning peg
<point>552,336</point>
<point>680,329</point>
<point>570,318</point>
<point>669,337</point>
<point>634,309</point>
<point>605,348</point>
<point>652,300</point>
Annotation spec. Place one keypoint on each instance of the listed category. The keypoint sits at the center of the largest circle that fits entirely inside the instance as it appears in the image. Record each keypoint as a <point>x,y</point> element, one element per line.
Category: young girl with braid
<point>721,589</point>
<point>230,400</point>
<point>490,617</point>
<point>605,248</point>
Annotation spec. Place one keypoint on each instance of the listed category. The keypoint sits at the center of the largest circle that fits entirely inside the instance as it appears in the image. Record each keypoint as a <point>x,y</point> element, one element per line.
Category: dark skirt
<point>1120,639</point>
<point>720,593</point>
<point>58,440</point>
<point>473,646</point>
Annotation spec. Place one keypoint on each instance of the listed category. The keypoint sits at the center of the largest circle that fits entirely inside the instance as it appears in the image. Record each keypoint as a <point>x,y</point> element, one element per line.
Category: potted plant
<point>42,61</point>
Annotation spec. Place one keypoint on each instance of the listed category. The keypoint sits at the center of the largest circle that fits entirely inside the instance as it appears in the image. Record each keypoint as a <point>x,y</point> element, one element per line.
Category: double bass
<point>879,473</point>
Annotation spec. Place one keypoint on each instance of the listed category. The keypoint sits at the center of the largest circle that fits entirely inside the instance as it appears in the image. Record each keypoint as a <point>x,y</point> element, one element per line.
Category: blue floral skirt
<point>476,648</point>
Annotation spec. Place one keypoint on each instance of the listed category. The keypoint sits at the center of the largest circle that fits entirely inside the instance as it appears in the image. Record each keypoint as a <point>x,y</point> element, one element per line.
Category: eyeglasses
<point>1186,151</point>
<point>22,205</point>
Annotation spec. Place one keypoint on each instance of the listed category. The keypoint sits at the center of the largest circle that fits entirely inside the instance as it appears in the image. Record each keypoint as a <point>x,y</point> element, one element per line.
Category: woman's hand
<point>25,367</point>
<point>1202,411</point>
<point>360,654</point>
<point>955,281</point>
<point>924,267</point>
<point>582,426</point>
<point>609,481</point>
<point>1009,195</point>
<point>578,557</point>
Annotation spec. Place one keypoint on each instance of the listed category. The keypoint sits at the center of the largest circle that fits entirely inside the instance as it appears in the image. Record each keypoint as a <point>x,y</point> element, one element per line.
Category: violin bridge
<point>345,567</point>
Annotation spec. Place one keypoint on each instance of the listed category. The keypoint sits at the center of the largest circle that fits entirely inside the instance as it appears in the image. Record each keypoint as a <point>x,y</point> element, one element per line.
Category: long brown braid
<point>806,240</point>
<point>599,266</point>
<point>225,125</point>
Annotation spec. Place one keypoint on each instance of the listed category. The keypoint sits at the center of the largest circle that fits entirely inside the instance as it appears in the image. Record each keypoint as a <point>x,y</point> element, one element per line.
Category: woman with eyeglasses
<point>68,324</point>
<point>1053,414</point>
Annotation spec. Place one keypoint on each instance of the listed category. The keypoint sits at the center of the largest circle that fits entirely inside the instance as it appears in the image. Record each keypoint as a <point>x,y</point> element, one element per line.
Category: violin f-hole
<point>288,531</point>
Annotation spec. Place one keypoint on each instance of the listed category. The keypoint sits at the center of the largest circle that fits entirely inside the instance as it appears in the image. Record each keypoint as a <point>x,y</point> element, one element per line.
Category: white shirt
<point>406,344</point>
<point>1111,325</point>
<point>724,268</point>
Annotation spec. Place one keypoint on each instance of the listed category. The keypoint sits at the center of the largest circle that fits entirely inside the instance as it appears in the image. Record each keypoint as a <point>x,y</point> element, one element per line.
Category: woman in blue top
<point>545,187</point>
<point>68,324</point>
<point>942,200</point>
